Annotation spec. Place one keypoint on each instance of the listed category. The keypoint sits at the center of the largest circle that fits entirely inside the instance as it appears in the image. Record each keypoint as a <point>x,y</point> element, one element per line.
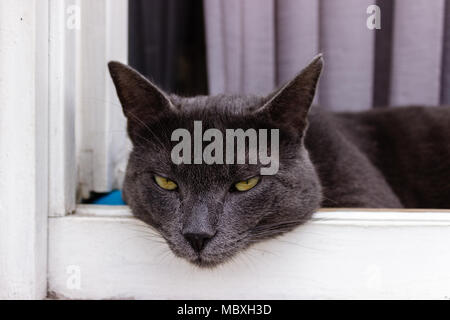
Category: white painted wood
<point>23,148</point>
<point>417,52</point>
<point>62,99</point>
<point>102,143</point>
<point>340,254</point>
<point>348,47</point>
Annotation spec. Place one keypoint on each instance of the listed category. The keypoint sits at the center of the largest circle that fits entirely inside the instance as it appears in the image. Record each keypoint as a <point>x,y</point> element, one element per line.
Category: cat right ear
<point>142,101</point>
<point>289,105</point>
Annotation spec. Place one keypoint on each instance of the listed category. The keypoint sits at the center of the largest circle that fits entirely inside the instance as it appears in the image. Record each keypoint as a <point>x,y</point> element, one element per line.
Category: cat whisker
<point>147,128</point>
<point>145,238</point>
<point>142,226</point>
<point>261,250</point>
<point>247,256</point>
<point>164,255</point>
<point>326,198</point>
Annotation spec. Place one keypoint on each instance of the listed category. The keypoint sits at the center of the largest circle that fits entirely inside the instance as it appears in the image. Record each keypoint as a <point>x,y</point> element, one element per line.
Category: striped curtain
<point>254,46</point>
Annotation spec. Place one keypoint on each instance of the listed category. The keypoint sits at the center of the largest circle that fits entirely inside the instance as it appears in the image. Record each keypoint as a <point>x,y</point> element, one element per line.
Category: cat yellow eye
<point>246,184</point>
<point>165,183</point>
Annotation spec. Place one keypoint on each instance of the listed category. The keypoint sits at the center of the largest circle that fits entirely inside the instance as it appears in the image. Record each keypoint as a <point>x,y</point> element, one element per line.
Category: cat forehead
<point>221,102</point>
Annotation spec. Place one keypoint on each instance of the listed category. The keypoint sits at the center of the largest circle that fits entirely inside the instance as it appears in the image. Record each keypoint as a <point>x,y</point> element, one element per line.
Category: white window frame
<point>339,254</point>
<point>88,142</point>
<point>102,144</point>
<point>49,146</point>
<point>84,109</point>
<point>23,148</point>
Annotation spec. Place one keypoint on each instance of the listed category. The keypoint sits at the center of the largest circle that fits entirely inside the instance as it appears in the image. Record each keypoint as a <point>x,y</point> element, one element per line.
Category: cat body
<point>391,158</point>
<point>382,158</point>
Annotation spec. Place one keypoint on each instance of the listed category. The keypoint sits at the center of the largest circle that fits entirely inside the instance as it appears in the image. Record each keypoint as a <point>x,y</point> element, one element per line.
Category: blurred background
<point>194,47</point>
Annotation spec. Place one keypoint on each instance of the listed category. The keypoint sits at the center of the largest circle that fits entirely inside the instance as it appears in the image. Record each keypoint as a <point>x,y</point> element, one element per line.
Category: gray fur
<point>382,158</point>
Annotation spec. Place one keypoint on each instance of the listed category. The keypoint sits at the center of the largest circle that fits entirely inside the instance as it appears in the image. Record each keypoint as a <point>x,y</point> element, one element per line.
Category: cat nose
<point>198,240</point>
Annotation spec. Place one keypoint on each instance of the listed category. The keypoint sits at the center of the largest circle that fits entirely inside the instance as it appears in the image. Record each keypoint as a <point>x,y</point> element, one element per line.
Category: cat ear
<point>142,101</point>
<point>290,104</point>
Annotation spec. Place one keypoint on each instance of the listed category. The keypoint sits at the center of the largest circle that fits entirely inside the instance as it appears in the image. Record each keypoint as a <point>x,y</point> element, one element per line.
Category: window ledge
<point>102,252</point>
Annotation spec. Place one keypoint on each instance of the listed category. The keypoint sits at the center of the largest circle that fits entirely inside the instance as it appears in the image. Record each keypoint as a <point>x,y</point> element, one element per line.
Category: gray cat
<point>383,158</point>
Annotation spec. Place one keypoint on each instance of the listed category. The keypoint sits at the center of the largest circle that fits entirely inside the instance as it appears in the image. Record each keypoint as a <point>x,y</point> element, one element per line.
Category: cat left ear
<point>290,104</point>
<point>142,101</point>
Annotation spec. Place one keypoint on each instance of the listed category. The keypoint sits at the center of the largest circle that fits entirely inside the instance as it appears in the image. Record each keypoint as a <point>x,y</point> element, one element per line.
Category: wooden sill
<point>339,254</point>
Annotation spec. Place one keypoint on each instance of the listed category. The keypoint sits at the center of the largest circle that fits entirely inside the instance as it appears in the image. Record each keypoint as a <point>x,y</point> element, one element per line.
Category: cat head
<point>209,212</point>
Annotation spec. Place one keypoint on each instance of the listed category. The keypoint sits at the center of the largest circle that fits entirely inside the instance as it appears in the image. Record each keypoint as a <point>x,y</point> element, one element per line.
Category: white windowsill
<point>339,254</point>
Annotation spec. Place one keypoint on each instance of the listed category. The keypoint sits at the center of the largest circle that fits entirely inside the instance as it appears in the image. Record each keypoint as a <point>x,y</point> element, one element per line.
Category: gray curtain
<point>254,46</point>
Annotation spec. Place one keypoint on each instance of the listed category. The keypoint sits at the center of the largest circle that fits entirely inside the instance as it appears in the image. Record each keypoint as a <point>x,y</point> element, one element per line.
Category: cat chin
<point>199,261</point>
<point>202,261</point>
<point>206,264</point>
<point>205,261</point>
